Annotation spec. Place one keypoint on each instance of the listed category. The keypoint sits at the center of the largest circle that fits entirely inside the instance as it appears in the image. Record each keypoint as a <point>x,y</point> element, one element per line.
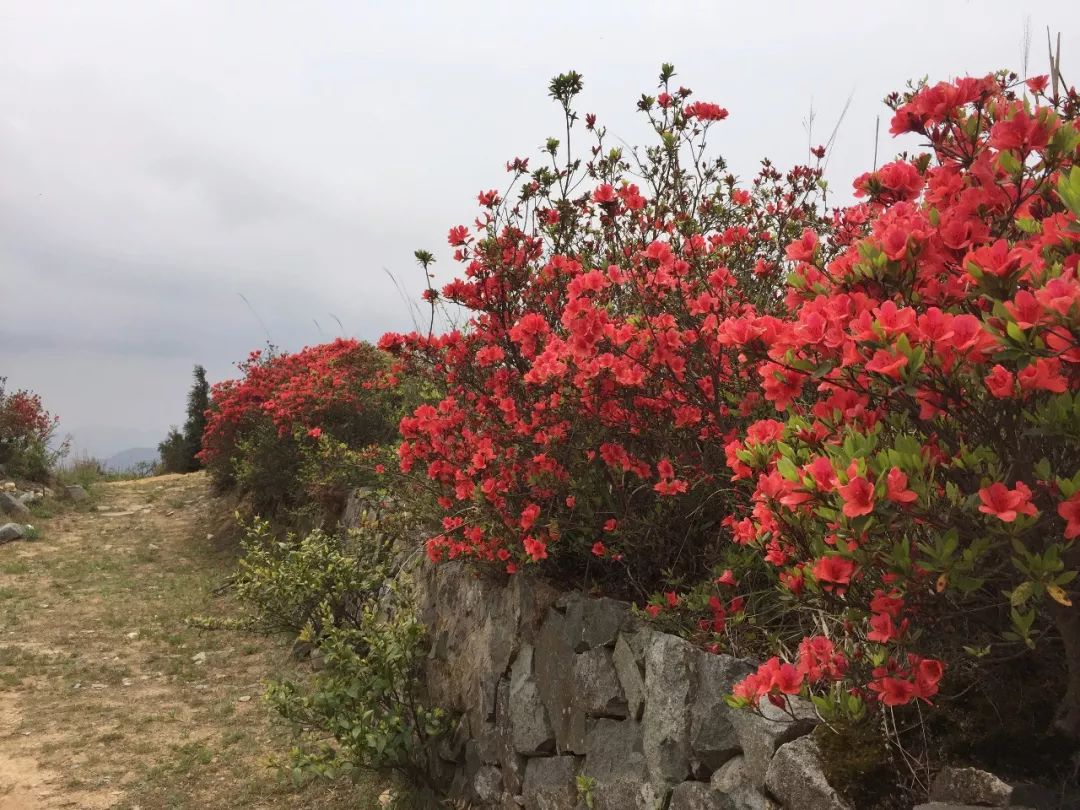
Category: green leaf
<point>1022,593</point>
<point>1009,162</point>
<point>787,469</point>
<point>1068,189</point>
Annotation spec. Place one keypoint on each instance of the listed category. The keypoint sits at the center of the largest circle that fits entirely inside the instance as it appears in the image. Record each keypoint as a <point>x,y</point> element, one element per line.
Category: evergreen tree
<point>178,450</point>
<point>198,403</point>
<point>173,452</point>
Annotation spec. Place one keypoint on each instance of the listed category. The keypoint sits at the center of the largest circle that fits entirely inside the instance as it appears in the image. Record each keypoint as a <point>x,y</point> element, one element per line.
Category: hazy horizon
<point>164,159</point>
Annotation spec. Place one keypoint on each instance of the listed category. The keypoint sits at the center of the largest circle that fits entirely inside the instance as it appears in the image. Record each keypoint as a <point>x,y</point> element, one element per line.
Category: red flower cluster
<point>26,431</point>
<point>851,397</point>
<point>818,661</point>
<point>308,389</point>
<point>23,418</point>
<point>300,427</point>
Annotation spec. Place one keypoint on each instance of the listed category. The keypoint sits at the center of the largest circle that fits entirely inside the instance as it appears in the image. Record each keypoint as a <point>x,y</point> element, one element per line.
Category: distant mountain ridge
<point>126,459</point>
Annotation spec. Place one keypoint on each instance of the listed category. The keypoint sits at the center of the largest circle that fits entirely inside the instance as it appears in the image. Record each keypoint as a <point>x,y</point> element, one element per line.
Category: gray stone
<point>511,762</point>
<point>475,641</point>
<point>357,504</point>
<point>945,806</point>
<point>12,531</point>
<point>452,746</point>
<point>638,640</point>
<point>12,506</point>
<point>593,622</point>
<point>478,752</point>
<point>487,784</point>
<point>729,776</point>
<point>713,739</point>
<point>28,498</point>
<point>614,760</point>
<point>550,783</point>
<point>553,662</point>
<point>969,786</point>
<point>796,779</point>
<point>1037,797</point>
<point>596,685</point>
<point>761,733</point>
<point>698,796</point>
<point>572,607</point>
<point>603,620</point>
<point>630,677</point>
<point>666,720</point>
<point>730,780</point>
<point>76,493</point>
<point>532,732</point>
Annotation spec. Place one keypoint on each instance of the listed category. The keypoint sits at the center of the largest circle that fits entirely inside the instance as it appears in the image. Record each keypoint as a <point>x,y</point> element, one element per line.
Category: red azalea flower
<point>1069,510</point>
<point>833,570</point>
<point>1000,382</point>
<point>726,578</point>
<point>894,691</point>
<point>802,250</point>
<point>858,495</point>
<point>1004,503</point>
<point>536,549</point>
<point>604,194</point>
<point>896,481</point>
<point>705,111</point>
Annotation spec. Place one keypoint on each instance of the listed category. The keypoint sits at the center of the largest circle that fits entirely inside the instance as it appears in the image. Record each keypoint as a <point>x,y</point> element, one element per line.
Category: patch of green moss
<point>860,765</point>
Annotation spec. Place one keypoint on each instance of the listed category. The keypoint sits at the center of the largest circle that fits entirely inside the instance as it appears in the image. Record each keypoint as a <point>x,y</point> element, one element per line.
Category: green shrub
<point>291,584</point>
<point>344,596</point>
<point>366,697</point>
<point>173,452</point>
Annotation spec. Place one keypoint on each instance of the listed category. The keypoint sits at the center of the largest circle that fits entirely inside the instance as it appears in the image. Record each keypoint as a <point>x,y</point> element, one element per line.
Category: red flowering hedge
<point>26,429</point>
<point>847,439</point>
<point>298,425</point>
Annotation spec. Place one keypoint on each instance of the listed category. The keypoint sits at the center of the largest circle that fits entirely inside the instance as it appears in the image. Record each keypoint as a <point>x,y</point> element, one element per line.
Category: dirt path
<point>107,697</point>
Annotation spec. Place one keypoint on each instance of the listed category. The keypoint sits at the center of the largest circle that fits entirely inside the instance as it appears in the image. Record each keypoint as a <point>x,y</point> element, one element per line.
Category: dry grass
<point>107,697</point>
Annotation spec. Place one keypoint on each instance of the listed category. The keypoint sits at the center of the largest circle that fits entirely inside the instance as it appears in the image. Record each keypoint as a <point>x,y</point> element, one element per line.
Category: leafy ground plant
<point>345,599</point>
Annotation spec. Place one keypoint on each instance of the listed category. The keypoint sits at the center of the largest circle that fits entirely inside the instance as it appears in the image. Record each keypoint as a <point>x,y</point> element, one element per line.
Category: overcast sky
<point>157,159</point>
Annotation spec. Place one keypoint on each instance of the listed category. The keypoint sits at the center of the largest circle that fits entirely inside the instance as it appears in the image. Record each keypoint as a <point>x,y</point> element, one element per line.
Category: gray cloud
<point>161,158</point>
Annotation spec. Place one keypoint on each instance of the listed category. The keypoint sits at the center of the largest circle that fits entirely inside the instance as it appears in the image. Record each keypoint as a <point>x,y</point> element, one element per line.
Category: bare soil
<point>109,698</point>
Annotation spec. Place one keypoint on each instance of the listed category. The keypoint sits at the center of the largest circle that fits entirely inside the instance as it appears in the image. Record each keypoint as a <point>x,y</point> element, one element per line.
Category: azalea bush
<point>26,434</point>
<point>299,428</point>
<point>919,489</point>
<point>588,401</point>
<point>846,441</point>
